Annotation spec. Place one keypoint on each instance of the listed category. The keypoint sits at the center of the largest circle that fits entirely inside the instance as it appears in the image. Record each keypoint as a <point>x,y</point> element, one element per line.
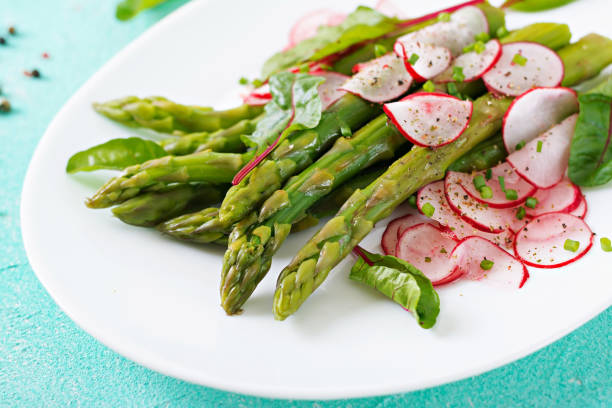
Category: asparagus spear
<point>420,166</point>
<point>149,209</point>
<point>162,115</point>
<point>249,255</point>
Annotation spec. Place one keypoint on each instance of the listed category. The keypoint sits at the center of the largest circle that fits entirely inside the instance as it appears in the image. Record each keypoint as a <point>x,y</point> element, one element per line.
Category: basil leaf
<point>361,25</point>
<point>590,161</point>
<point>116,154</point>
<point>534,5</point>
<point>295,102</point>
<point>402,283</point>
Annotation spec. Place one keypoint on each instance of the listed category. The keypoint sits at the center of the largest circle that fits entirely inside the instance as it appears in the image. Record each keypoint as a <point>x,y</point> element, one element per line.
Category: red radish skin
<point>329,91</point>
<point>498,200</point>
<point>433,194</point>
<point>480,216</point>
<point>562,197</point>
<point>541,242</point>
<point>428,249</point>
<point>397,226</point>
<point>430,119</point>
<point>581,209</point>
<point>546,167</point>
<point>380,80</point>
<point>473,64</point>
<point>253,100</point>
<point>544,107</point>
<point>543,68</point>
<point>308,25</point>
<point>506,270</point>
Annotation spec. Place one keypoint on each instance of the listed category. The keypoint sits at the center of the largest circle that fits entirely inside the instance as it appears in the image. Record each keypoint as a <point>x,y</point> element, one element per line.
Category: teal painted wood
<point>46,360</point>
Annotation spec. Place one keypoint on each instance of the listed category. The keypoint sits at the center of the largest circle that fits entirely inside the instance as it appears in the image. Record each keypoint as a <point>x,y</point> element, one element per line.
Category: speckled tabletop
<point>46,360</point>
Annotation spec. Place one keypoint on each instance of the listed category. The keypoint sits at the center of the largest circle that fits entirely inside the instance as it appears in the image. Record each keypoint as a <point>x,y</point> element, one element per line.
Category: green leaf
<point>116,154</point>
<point>129,8</point>
<point>361,25</point>
<point>534,5</point>
<point>402,283</point>
<point>295,99</point>
<point>590,162</point>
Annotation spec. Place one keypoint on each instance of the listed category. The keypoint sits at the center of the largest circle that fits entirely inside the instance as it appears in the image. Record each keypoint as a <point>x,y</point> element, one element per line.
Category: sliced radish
<point>473,64</point>
<point>477,214</point>
<point>543,161</point>
<point>423,60</point>
<point>329,91</point>
<point>430,119</point>
<point>380,80</point>
<point>389,8</point>
<point>396,227</point>
<point>258,96</point>
<point>433,194</point>
<point>469,254</point>
<point>541,243</point>
<point>537,66</point>
<point>428,249</point>
<point>308,25</point>
<point>581,209</point>
<point>544,107</point>
<point>512,181</point>
<point>562,197</point>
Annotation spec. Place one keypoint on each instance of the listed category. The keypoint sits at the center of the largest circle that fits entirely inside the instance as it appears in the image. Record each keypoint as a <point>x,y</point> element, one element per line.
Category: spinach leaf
<point>590,162</point>
<point>361,25</point>
<point>401,282</point>
<point>534,5</point>
<point>295,105</point>
<point>116,154</point>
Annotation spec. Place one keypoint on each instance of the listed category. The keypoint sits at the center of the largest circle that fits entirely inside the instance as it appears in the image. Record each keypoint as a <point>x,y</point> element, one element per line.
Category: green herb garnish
<point>428,210</point>
<point>458,74</point>
<point>486,192</point>
<point>531,202</point>
<point>479,182</point>
<point>606,245</point>
<point>520,213</point>
<point>571,245</point>
<point>380,50</point>
<point>539,148</point>
<point>429,86</point>
<point>519,59</point>
<point>520,145</point>
<point>486,264</point>
<point>511,194</point>
<point>413,59</point>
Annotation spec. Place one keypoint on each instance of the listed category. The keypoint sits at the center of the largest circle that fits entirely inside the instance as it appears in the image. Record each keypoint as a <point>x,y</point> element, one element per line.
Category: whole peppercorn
<point>36,73</point>
<point>2,41</point>
<point>5,105</point>
<point>11,30</point>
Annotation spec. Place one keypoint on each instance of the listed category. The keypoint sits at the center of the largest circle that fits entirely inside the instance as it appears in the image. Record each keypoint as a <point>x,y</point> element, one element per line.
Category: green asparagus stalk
<point>152,208</point>
<point>162,115</point>
<point>420,166</point>
<point>484,155</point>
<point>223,141</point>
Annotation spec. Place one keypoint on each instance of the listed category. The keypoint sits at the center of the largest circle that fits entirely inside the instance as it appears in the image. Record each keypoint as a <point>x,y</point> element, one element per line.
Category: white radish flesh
<point>329,91</point>
<point>512,181</point>
<point>544,107</point>
<point>422,60</point>
<point>397,226</point>
<point>522,66</point>
<point>542,242</point>
<point>473,64</point>
<point>562,197</point>
<point>430,119</point>
<point>428,249</point>
<point>308,25</point>
<point>389,8</point>
<point>467,261</point>
<point>581,209</point>
<point>380,80</point>
<point>543,161</point>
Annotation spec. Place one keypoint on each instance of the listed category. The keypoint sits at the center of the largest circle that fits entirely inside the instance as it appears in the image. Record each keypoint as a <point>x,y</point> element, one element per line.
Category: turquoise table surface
<point>46,360</point>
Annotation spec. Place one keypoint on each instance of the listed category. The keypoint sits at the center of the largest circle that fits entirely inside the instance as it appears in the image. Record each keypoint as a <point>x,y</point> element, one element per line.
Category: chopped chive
<point>379,50</point>
<point>539,148</point>
<point>520,213</point>
<point>243,81</point>
<point>429,86</point>
<point>502,183</point>
<point>489,174</point>
<point>443,251</point>
<point>511,194</point>
<point>502,32</point>
<point>484,37</point>
<point>486,264</point>
<point>606,245</point>
<point>413,59</point>
<point>486,192</point>
<point>479,47</point>
<point>519,59</point>
<point>257,83</point>
<point>458,74</point>
<point>571,245</point>
<point>428,209</point>
<point>520,145</point>
<point>531,202</point>
<point>469,48</point>
<point>479,182</point>
<point>345,131</point>
<point>444,17</point>
<point>427,259</point>
<point>451,87</point>
<point>412,201</point>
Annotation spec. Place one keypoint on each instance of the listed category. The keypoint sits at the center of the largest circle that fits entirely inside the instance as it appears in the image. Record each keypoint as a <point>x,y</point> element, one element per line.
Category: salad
<point>477,127</point>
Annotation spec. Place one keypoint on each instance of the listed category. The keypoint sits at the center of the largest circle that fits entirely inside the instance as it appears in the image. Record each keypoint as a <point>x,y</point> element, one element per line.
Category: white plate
<point>156,302</point>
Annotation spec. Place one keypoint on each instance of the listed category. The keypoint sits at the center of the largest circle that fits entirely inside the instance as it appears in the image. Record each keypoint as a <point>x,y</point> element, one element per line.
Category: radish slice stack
<point>308,25</point>
<point>522,66</point>
<point>430,119</point>
<point>473,64</point>
<point>543,242</point>
<point>543,161</point>
<point>397,227</point>
<point>329,91</point>
<point>430,59</point>
<point>562,197</point>
<point>581,209</point>
<point>552,106</point>
<point>380,80</point>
